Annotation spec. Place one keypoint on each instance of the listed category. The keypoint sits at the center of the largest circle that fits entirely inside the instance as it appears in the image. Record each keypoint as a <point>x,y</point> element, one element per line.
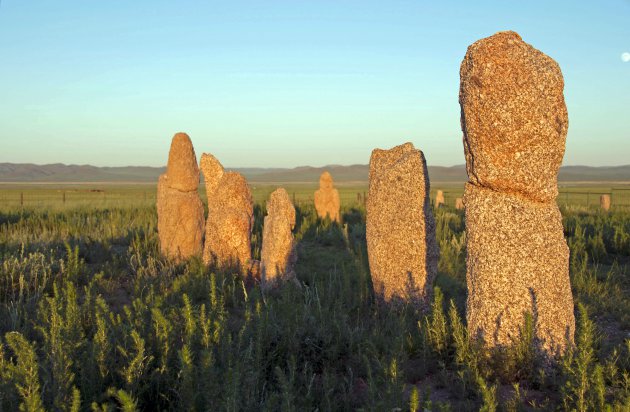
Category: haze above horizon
<point>284,84</point>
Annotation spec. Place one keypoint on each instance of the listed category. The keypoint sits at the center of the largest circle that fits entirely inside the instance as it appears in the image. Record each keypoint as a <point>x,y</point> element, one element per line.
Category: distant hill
<point>58,172</point>
<point>594,174</point>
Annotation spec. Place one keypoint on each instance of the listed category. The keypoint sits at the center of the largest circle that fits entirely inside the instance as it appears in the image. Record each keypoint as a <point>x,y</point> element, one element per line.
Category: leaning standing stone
<point>230,217</point>
<point>327,198</point>
<point>400,227</point>
<point>515,123</point>
<point>180,211</point>
<point>278,254</point>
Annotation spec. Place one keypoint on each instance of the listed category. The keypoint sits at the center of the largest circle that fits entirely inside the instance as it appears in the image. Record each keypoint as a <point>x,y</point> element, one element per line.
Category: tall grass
<point>93,318</point>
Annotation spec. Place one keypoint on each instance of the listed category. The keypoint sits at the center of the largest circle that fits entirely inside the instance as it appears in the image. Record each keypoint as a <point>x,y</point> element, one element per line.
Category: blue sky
<point>286,83</point>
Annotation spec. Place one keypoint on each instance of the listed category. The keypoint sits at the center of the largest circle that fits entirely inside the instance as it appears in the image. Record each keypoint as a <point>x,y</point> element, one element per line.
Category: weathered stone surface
<point>439,199</point>
<point>182,169</point>
<point>518,262</point>
<point>230,216</point>
<point>180,211</point>
<point>278,254</point>
<point>400,227</point>
<point>459,203</point>
<point>212,171</point>
<point>327,198</point>
<point>513,116</point>
<point>515,122</point>
<point>180,221</point>
<point>604,202</point>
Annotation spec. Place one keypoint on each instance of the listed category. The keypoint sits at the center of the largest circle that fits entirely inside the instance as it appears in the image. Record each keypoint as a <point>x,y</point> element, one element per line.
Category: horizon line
<point>279,167</point>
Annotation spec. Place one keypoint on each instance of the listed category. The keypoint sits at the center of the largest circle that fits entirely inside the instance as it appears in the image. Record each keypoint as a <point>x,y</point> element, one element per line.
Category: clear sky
<point>286,83</point>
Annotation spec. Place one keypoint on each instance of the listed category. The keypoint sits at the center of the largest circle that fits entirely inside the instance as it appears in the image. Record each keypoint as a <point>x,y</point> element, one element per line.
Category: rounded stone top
<point>513,116</point>
<point>182,170</point>
<point>233,191</point>
<point>325,180</point>
<point>280,205</point>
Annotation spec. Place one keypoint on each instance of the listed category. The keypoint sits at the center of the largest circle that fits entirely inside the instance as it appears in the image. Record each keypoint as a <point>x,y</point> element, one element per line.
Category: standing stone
<point>439,199</point>
<point>180,211</point>
<point>515,123</point>
<point>327,198</point>
<point>459,203</point>
<point>400,228</point>
<point>230,216</point>
<point>604,202</point>
<point>278,254</point>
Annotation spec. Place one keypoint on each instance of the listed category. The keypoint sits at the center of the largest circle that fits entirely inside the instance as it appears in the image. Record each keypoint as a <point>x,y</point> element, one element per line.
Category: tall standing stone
<point>515,123</point>
<point>278,254</point>
<point>230,216</point>
<point>327,198</point>
<point>180,211</point>
<point>400,228</point>
<point>604,202</point>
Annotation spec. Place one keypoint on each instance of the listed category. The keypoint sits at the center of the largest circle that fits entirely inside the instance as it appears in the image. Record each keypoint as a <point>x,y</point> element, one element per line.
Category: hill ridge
<point>59,172</point>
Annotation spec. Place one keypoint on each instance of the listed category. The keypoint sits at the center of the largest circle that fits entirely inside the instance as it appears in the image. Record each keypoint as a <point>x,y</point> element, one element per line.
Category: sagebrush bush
<point>93,318</point>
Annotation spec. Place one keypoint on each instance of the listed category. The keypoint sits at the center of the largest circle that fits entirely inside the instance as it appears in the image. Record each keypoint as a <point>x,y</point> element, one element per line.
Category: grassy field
<point>108,195</point>
<point>93,318</point>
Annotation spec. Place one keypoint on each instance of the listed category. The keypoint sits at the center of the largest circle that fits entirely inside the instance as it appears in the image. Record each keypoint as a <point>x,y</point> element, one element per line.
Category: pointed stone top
<point>212,171</point>
<point>182,171</point>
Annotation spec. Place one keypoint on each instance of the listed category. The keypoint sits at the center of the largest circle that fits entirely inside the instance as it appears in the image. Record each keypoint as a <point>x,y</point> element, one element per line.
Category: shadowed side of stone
<point>400,227</point>
<point>327,201</point>
<point>278,254</point>
<point>180,211</point>
<point>515,122</point>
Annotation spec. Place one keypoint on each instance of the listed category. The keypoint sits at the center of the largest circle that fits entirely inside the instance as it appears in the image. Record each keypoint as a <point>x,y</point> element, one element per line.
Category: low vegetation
<point>93,318</point>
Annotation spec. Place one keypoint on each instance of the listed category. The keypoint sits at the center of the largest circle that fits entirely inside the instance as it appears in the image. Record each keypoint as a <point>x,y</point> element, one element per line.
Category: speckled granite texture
<point>230,216</point>
<point>518,261</point>
<point>278,254</point>
<point>515,123</point>
<point>513,116</point>
<point>400,227</point>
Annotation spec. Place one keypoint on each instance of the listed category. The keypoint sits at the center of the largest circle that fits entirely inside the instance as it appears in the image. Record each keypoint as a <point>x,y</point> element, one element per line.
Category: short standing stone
<point>278,254</point>
<point>400,227</point>
<point>230,217</point>
<point>604,202</point>
<point>515,122</point>
<point>327,198</point>
<point>180,211</point>
<point>459,203</point>
<point>439,199</point>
